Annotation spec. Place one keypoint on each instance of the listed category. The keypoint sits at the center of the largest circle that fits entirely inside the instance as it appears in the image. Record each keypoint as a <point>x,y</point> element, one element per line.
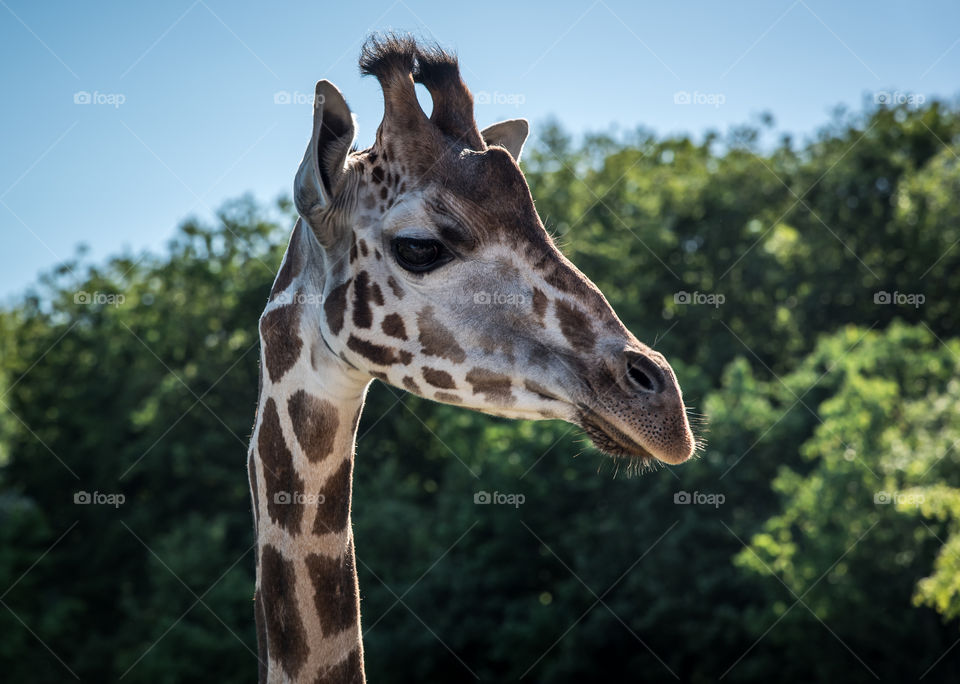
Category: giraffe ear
<point>510,134</point>
<point>334,131</point>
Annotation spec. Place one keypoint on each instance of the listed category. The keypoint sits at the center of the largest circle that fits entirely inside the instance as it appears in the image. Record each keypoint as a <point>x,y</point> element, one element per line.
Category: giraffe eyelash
<point>420,255</point>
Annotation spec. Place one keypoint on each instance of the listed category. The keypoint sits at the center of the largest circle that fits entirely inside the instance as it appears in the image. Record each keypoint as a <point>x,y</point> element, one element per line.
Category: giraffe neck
<point>301,467</point>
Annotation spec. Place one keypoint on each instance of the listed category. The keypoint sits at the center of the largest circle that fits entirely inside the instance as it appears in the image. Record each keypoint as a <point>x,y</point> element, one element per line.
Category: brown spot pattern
<point>395,287</point>
<point>438,378</point>
<point>491,344</point>
<point>315,424</point>
<point>334,591</point>
<point>411,384</point>
<point>333,511</point>
<point>436,340</point>
<point>448,398</point>
<point>562,278</point>
<point>393,326</point>
<point>281,343</point>
<point>335,306</point>
<point>282,484</point>
<point>377,294</point>
<point>539,303</point>
<point>559,272</point>
<point>286,637</point>
<point>347,671</point>
<point>362,316</point>
<point>383,356</point>
<point>575,326</point>
<point>495,387</point>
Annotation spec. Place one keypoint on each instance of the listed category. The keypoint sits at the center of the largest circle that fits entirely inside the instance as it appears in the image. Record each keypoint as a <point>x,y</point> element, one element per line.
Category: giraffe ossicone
<point>422,262</point>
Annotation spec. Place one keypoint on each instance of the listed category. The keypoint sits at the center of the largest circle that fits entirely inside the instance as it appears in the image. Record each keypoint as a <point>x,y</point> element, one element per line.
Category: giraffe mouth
<point>610,439</point>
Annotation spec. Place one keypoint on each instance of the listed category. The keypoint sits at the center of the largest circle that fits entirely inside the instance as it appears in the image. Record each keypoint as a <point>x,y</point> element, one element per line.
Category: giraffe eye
<point>420,254</point>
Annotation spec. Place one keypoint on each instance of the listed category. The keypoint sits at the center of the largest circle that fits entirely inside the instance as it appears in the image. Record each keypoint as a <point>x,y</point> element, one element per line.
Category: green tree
<point>138,377</point>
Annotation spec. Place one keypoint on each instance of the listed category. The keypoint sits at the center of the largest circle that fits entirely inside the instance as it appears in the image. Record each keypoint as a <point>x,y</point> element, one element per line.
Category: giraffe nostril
<point>641,378</point>
<point>644,373</point>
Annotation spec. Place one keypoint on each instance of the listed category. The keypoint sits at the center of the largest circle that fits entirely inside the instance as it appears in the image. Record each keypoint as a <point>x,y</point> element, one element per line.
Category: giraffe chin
<point>614,442</point>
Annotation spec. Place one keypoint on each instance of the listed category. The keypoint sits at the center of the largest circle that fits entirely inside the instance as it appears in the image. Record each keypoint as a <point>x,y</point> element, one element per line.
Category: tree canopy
<point>806,296</point>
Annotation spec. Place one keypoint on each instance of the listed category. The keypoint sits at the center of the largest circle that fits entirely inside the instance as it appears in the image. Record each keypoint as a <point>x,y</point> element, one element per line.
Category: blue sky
<point>184,111</point>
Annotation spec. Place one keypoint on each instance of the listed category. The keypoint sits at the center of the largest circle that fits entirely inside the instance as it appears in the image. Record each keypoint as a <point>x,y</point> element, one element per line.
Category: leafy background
<point>831,420</point>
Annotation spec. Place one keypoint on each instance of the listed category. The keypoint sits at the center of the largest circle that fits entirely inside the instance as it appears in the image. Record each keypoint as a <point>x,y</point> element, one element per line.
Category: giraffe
<point>420,261</point>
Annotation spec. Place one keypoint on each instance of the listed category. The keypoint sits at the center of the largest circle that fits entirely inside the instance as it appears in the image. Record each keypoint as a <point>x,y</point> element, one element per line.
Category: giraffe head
<point>438,277</point>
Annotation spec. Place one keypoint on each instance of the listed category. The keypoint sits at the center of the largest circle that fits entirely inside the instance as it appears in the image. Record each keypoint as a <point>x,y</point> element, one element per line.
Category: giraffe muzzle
<point>637,410</point>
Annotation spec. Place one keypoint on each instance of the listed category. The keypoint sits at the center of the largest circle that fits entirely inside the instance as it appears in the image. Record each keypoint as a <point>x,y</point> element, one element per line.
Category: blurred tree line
<point>806,295</point>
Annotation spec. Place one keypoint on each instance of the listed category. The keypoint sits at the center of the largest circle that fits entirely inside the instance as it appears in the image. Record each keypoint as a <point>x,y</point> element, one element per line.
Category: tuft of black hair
<point>384,55</point>
<point>436,68</point>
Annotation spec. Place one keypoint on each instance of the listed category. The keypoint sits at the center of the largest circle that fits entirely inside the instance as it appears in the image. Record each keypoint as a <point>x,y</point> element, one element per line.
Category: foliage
<point>138,377</point>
